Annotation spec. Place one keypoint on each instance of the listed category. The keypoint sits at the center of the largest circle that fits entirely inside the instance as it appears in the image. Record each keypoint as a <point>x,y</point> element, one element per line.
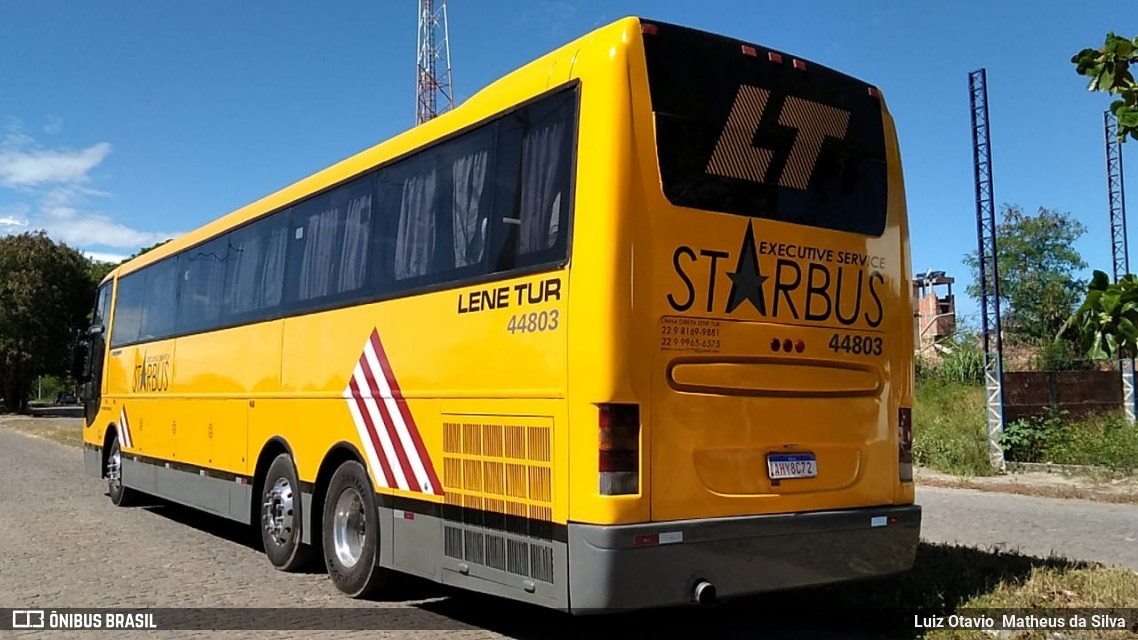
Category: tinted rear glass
<point>743,134</point>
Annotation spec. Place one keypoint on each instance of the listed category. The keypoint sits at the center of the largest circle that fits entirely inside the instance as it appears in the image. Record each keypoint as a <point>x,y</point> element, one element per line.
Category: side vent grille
<point>498,508</point>
<point>541,560</point>
<point>452,539</point>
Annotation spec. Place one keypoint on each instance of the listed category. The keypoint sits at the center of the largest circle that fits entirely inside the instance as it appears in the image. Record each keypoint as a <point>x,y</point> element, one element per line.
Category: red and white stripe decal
<point>392,443</point>
<point>125,441</point>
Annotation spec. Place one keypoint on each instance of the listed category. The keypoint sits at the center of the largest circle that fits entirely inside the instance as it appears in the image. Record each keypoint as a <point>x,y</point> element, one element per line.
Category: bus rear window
<point>745,130</point>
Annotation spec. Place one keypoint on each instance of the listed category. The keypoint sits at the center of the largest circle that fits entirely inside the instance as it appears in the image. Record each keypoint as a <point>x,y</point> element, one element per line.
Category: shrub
<point>949,431</point>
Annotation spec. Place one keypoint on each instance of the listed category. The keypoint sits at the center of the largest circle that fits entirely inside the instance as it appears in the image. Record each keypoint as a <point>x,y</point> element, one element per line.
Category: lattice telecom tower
<point>1120,254</point>
<point>429,85</point>
<point>989,267</point>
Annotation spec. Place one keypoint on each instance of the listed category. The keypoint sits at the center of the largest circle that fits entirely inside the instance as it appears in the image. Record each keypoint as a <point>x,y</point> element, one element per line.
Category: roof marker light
<point>774,57</point>
<point>800,65</point>
<point>874,92</point>
<point>649,29</point>
<point>748,50</point>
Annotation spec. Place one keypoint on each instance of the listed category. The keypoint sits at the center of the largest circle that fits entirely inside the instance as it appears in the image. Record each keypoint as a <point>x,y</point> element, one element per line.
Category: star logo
<point>747,280</point>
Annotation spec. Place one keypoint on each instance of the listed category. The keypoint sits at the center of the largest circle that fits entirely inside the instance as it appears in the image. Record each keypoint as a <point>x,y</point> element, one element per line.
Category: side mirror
<point>95,331</point>
<point>79,362</point>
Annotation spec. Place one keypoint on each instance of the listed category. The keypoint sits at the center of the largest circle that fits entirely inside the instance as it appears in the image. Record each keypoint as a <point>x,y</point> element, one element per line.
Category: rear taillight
<point>619,449</point>
<point>905,443</point>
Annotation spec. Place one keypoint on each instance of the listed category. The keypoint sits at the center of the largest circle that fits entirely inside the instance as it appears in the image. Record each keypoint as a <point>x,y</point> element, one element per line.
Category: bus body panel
<point>473,404</point>
<point>771,336</point>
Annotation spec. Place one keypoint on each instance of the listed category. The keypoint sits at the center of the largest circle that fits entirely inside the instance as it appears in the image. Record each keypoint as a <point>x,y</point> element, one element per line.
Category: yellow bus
<point>631,327</point>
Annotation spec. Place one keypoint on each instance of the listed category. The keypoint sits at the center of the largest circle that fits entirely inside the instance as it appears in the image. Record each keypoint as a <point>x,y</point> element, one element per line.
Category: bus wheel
<point>282,516</point>
<point>351,532</point>
<point>120,495</point>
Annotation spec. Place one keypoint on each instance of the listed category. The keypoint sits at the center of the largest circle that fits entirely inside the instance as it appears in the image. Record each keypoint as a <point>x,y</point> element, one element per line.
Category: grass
<point>65,431</point>
<point>1105,440</point>
<point>1057,588</point>
<point>949,433</point>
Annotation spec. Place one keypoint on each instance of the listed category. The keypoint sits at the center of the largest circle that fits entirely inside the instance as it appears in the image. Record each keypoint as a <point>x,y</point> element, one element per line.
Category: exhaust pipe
<point>704,593</point>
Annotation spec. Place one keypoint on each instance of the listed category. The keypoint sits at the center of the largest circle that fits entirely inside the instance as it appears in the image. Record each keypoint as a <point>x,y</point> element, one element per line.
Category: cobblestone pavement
<point>62,543</point>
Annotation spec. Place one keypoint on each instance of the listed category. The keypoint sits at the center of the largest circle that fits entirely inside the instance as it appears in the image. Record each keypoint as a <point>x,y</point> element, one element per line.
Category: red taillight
<point>776,344</point>
<point>787,345</point>
<point>618,460</point>
<point>799,346</point>
<point>648,29</point>
<point>748,50</point>
<point>905,443</point>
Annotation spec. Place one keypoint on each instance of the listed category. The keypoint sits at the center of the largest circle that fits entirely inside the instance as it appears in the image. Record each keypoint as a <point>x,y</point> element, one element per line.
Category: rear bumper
<point>745,555</point>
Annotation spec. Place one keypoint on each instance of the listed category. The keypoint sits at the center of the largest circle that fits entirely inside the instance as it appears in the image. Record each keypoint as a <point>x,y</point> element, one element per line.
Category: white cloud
<point>56,184</point>
<point>100,256</point>
<point>20,168</point>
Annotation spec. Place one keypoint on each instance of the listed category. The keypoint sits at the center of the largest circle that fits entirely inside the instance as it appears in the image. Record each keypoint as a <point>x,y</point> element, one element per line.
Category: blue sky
<point>123,123</point>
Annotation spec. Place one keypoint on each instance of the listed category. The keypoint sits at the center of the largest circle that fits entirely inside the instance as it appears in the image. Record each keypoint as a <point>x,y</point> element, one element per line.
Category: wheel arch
<point>111,432</point>
<point>272,448</point>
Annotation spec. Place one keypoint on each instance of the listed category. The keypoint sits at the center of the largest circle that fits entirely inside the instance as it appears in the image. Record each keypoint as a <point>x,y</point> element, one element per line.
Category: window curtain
<point>541,195</point>
<point>469,175</point>
<point>415,237</point>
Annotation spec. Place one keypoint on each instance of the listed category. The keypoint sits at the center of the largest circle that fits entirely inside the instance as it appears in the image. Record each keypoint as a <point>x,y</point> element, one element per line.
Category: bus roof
<point>515,86</point>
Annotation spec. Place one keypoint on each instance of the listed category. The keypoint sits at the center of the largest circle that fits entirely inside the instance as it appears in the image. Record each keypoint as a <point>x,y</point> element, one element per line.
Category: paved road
<point>1076,529</point>
<point>63,544</point>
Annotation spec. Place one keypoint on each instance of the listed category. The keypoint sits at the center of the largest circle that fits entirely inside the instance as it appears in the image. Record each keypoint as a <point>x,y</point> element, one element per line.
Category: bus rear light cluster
<point>797,346</point>
<point>618,459</point>
<point>905,443</point>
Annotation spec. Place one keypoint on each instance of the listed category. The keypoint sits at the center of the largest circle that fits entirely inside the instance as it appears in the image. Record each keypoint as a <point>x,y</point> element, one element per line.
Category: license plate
<point>784,466</point>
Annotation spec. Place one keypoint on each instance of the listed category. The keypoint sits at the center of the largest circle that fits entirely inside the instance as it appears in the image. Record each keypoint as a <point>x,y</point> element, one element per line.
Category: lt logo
<point>736,157</point>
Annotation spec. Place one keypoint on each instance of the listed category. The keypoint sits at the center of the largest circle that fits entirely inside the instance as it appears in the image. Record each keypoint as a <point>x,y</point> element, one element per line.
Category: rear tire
<point>120,495</point>
<point>351,533</point>
<point>282,516</point>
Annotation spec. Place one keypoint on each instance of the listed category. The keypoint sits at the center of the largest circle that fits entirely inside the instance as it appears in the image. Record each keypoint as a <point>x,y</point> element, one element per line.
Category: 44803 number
<point>533,321</point>
<point>857,345</point>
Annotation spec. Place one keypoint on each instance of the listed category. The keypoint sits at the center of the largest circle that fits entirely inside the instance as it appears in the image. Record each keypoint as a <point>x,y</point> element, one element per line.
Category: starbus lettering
<point>152,374</point>
<point>818,290</point>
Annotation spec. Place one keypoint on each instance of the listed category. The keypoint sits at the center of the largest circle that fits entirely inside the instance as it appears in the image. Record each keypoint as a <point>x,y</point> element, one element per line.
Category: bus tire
<point>351,533</point>
<point>121,496</point>
<point>282,516</point>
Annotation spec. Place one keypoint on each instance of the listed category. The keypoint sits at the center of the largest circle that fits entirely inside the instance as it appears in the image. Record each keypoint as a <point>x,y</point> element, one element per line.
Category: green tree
<point>1108,68</point>
<point>145,250</point>
<point>1037,264</point>
<point>1108,319</point>
<point>46,291</point>
<point>100,269</point>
